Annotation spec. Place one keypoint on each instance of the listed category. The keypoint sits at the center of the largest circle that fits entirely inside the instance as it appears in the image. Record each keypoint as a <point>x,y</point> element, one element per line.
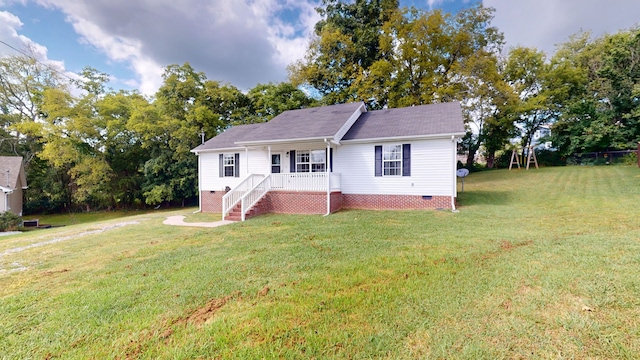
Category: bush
<point>630,159</point>
<point>9,220</point>
<point>550,158</point>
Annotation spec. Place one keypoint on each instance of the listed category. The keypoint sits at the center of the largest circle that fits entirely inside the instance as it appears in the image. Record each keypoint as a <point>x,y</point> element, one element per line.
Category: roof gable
<point>12,172</point>
<point>414,121</point>
<point>228,138</point>
<point>304,124</point>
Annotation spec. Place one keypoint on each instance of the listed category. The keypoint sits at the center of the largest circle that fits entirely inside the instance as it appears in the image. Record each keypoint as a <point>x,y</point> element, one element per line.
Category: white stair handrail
<point>232,198</point>
<point>251,197</point>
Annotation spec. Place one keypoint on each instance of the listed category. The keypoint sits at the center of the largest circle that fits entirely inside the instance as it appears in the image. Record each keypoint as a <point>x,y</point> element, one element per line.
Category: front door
<point>276,163</point>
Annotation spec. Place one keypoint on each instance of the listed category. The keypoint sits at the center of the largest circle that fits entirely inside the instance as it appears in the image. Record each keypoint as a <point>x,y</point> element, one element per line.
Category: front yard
<point>537,264</point>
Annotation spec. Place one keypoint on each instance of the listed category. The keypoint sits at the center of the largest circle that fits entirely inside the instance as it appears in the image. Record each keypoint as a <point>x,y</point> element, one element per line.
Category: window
<point>230,165</point>
<point>311,161</point>
<point>392,160</point>
<point>275,163</point>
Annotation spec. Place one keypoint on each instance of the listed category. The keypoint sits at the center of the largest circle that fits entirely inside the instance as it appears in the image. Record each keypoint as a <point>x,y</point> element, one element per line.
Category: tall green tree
<point>23,81</point>
<point>487,108</point>
<point>601,112</point>
<point>429,54</point>
<point>186,106</point>
<point>347,43</point>
<point>270,100</point>
<point>527,72</point>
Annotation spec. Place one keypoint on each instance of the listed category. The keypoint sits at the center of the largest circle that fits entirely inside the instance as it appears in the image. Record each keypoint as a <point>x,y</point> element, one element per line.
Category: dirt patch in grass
<point>505,246</point>
<point>198,317</point>
<point>205,313</point>
<point>51,272</point>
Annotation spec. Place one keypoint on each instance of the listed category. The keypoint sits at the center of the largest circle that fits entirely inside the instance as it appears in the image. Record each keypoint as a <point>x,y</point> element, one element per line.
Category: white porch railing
<point>252,189</point>
<point>232,198</point>
<point>251,197</point>
<point>304,181</point>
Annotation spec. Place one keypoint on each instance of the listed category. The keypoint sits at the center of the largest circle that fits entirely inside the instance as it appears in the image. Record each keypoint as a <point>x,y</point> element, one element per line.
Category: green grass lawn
<point>537,264</point>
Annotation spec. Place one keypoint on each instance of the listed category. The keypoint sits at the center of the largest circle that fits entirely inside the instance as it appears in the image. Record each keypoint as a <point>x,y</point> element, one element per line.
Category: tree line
<point>89,147</point>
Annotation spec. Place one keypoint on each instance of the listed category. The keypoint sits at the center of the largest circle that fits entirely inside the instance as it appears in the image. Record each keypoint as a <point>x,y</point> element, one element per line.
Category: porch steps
<point>236,213</point>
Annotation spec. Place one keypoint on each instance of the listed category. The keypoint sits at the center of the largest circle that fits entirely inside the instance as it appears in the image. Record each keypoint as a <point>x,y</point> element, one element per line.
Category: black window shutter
<point>406,159</point>
<point>237,164</point>
<point>221,174</point>
<point>292,161</point>
<point>378,157</point>
<point>331,159</point>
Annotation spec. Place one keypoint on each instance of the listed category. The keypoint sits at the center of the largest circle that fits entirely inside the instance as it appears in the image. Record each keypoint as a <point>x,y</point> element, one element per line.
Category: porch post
<point>326,168</point>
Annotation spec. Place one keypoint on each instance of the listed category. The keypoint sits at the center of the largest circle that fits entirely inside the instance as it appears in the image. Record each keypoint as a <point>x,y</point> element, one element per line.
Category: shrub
<point>9,220</point>
<point>630,159</point>
<point>550,158</point>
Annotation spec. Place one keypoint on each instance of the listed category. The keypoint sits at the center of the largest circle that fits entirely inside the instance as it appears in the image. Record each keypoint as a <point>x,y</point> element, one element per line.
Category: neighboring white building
<point>12,182</point>
<point>319,160</point>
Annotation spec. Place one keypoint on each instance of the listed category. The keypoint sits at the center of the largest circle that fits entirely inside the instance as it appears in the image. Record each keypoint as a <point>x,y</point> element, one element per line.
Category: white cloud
<point>546,23</point>
<point>240,42</point>
<point>18,44</point>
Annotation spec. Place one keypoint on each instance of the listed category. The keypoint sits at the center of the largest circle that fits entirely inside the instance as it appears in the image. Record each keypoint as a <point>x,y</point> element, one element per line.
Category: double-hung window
<point>311,161</point>
<point>392,160</point>
<point>230,165</point>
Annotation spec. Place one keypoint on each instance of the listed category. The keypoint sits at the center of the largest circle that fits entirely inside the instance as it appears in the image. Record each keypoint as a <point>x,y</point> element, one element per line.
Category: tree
<point>600,110</point>
<point>186,105</point>
<point>347,43</point>
<point>488,107</point>
<point>22,83</point>
<point>270,100</point>
<point>527,73</point>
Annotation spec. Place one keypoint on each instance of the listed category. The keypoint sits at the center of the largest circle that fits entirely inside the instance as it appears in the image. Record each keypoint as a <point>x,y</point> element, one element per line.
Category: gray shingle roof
<point>228,138</point>
<point>310,123</point>
<point>14,165</point>
<point>326,121</point>
<point>423,120</point>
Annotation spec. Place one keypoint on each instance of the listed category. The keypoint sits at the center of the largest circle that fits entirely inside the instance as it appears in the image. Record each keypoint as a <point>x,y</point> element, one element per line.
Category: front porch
<point>311,193</point>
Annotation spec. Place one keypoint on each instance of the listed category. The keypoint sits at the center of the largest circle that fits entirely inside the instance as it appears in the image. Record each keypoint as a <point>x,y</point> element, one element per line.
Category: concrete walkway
<point>179,221</point>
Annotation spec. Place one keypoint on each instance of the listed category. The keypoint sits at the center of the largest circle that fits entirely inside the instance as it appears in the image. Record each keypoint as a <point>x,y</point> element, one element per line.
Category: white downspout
<point>327,166</point>
<point>199,183</point>
<point>455,181</point>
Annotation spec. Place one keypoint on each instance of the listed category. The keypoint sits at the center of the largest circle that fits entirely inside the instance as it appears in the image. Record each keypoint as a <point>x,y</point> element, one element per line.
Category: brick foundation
<point>394,202</point>
<point>293,202</point>
<point>211,202</point>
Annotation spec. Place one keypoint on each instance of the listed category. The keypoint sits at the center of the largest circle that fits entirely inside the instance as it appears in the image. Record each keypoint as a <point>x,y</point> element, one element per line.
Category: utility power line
<point>39,62</point>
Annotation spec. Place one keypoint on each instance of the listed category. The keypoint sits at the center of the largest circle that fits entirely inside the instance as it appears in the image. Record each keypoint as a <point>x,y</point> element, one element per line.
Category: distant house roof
<point>11,172</point>
<point>330,122</point>
<point>414,121</point>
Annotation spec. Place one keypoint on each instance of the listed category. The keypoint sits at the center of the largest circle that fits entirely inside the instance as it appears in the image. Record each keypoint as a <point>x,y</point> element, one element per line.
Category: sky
<point>244,42</point>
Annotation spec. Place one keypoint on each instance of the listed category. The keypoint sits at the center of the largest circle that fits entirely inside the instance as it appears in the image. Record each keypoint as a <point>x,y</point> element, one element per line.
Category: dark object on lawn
<point>31,223</point>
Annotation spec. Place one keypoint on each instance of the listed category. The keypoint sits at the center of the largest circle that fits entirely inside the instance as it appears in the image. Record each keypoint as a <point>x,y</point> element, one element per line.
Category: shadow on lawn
<point>469,198</point>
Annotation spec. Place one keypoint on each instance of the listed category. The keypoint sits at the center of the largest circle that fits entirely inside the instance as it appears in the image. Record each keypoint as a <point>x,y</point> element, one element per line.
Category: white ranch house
<point>320,160</point>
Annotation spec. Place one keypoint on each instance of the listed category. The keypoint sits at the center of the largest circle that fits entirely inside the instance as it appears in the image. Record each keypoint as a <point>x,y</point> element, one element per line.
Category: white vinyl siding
<point>432,169</point>
<point>209,162</point>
